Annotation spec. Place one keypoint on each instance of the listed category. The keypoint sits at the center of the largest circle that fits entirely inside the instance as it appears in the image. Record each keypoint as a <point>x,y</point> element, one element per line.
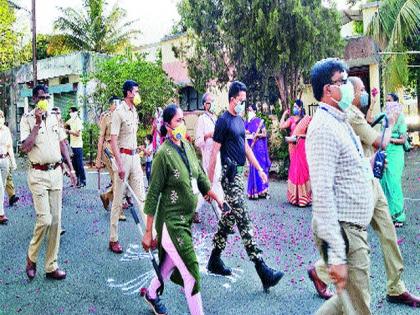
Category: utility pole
<point>35,72</point>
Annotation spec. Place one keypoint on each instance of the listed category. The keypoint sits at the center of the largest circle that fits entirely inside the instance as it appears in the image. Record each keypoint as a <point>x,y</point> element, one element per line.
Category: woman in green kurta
<point>176,180</point>
<point>391,180</point>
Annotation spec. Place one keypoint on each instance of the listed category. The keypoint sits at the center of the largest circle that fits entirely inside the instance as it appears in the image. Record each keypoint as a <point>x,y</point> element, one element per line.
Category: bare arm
<point>148,235</point>
<point>74,133</point>
<point>386,141</point>
<point>29,142</point>
<point>116,152</point>
<point>284,124</point>
<point>369,114</point>
<point>251,158</point>
<point>213,160</point>
<point>400,140</point>
<point>65,154</point>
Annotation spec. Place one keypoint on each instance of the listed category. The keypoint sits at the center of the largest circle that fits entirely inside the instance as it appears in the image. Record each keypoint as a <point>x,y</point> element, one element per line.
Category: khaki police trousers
<point>385,230</point>
<point>134,177</point>
<point>358,263</point>
<point>46,188</point>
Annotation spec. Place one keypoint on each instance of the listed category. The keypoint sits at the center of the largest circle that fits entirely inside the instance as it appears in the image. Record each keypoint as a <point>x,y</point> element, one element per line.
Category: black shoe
<point>216,265</point>
<point>156,305</point>
<point>269,277</point>
<point>63,230</point>
<point>13,200</point>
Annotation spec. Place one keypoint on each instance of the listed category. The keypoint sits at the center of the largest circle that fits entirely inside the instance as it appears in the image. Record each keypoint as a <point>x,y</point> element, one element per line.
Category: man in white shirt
<point>204,141</point>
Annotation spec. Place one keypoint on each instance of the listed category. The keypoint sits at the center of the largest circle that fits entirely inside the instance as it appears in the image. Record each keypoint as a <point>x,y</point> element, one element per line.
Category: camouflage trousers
<point>235,197</point>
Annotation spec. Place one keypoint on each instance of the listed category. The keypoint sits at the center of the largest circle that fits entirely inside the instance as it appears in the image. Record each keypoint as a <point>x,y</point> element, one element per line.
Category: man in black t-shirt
<point>229,139</point>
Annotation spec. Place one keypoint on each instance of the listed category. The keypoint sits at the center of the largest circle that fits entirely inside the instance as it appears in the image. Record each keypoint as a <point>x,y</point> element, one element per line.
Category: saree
<point>299,191</point>
<point>256,187</point>
<point>391,180</point>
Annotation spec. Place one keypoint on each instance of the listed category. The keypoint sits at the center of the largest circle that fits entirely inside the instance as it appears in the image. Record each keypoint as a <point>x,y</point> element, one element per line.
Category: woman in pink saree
<point>298,185</point>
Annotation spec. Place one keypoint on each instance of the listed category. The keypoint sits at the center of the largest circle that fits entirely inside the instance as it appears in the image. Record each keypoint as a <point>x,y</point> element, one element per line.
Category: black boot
<point>216,264</point>
<point>13,200</point>
<point>269,277</point>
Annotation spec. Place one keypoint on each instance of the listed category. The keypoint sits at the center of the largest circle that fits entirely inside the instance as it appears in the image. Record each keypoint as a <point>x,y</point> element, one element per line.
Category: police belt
<point>45,167</point>
<point>353,226</point>
<point>129,151</point>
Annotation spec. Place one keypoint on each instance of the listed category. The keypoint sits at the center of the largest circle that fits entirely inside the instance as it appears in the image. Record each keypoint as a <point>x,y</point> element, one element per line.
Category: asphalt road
<point>100,282</point>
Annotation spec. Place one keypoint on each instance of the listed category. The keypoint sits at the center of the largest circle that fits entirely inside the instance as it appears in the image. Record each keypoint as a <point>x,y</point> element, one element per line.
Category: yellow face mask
<point>42,105</point>
<point>137,99</point>
<point>179,132</point>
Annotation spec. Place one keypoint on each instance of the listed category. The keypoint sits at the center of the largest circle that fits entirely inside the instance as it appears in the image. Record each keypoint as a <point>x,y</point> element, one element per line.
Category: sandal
<point>398,224</point>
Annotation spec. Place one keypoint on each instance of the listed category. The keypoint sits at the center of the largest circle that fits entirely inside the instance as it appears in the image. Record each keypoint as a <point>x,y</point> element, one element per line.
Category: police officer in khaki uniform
<point>125,150</point>
<point>44,142</point>
<point>102,160</point>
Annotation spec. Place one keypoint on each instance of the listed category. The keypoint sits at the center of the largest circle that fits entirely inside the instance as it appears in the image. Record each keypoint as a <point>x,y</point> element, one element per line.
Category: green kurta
<point>171,182</point>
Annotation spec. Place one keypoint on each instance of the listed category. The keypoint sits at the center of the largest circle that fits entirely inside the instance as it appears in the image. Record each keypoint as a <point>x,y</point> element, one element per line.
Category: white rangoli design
<point>135,253</point>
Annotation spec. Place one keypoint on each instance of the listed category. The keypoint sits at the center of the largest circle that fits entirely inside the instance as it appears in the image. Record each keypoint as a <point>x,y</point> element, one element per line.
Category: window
<point>190,99</point>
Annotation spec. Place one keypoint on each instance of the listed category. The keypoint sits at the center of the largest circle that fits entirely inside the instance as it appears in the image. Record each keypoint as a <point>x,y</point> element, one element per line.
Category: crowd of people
<point>331,159</point>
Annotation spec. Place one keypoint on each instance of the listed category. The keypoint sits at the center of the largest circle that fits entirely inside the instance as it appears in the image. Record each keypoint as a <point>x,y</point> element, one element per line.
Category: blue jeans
<point>148,170</point>
<point>77,161</point>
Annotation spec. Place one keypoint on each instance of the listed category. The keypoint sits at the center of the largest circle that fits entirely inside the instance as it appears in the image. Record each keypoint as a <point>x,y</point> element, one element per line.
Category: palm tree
<point>91,29</point>
<point>394,27</point>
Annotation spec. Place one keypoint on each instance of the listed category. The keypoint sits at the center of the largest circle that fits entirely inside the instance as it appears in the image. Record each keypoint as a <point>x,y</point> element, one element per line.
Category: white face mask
<point>73,115</point>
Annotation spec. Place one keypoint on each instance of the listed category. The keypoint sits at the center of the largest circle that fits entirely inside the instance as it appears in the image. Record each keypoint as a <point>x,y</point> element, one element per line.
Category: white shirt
<point>205,124</point>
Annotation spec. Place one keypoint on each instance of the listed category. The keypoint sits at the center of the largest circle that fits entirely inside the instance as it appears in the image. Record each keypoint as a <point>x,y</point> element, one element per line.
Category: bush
<point>278,147</point>
<point>90,136</point>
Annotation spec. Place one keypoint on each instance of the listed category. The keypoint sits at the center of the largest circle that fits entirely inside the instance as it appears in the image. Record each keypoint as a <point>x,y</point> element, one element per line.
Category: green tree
<point>46,46</point>
<point>277,40</point>
<point>94,30</point>
<point>395,28</point>
<point>8,37</point>
<point>156,89</point>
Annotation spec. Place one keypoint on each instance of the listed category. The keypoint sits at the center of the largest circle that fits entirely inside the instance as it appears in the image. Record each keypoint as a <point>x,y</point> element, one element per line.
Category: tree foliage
<point>8,37</point>
<point>258,41</point>
<point>156,89</point>
<point>395,28</point>
<point>94,30</point>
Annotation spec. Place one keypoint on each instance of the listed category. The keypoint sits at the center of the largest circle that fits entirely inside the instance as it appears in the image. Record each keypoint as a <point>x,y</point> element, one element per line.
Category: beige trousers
<point>134,177</point>
<point>384,228</point>
<point>4,170</point>
<point>358,263</point>
<point>46,188</point>
<point>10,186</point>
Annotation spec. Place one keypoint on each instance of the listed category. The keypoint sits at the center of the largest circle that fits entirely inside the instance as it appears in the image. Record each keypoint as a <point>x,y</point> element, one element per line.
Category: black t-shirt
<point>230,133</point>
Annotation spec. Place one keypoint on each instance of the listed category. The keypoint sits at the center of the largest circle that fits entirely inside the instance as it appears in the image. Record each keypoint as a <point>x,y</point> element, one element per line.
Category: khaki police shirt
<point>46,149</point>
<point>124,125</point>
<point>363,130</point>
<point>105,126</point>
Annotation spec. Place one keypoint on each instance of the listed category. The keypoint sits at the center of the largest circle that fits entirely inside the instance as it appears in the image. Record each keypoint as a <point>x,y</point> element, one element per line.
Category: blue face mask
<point>347,96</point>
<point>240,107</point>
<point>296,112</point>
<point>364,99</point>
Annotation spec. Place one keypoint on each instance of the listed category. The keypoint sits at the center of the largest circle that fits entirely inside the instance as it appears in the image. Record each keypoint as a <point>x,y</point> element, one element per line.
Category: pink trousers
<point>172,261</point>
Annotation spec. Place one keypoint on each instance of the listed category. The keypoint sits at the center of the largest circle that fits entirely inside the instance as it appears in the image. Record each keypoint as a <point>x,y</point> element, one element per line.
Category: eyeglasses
<point>44,97</point>
<point>338,82</point>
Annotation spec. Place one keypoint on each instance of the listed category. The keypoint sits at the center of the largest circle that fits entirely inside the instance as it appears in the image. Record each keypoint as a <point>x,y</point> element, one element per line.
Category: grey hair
<point>205,95</point>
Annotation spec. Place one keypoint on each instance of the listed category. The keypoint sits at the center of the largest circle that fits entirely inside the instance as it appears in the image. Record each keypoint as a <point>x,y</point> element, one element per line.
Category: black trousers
<point>77,161</point>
